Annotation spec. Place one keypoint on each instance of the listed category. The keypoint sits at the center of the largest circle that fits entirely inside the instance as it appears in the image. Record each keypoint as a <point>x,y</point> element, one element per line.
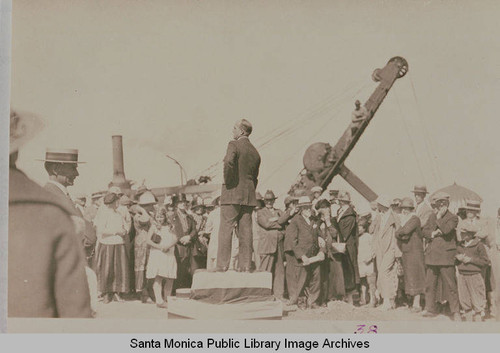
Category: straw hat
<point>304,201</point>
<point>473,205</point>
<point>115,190</point>
<point>61,155</point>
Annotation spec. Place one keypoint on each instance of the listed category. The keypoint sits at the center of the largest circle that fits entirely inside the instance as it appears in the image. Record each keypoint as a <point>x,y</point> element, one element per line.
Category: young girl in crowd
<point>366,258</point>
<point>162,265</point>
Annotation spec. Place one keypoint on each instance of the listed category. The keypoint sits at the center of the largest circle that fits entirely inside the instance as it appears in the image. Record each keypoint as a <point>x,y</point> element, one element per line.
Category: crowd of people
<point>66,253</point>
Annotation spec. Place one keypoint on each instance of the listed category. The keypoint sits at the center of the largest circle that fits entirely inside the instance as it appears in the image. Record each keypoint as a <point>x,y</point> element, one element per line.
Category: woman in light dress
<point>162,265</point>
<point>112,259</point>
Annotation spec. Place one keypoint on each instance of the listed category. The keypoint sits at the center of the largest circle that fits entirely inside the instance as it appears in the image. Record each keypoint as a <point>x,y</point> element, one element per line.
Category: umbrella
<point>459,196</point>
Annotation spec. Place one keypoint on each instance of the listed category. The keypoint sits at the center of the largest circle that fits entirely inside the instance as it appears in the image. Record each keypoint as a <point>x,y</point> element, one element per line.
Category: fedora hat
<point>420,189</point>
<point>289,199</point>
<point>110,198</point>
<point>473,205</point>
<point>23,127</point>
<point>269,195</point>
<point>407,203</point>
<point>61,155</point>
<point>304,201</point>
<point>344,196</point>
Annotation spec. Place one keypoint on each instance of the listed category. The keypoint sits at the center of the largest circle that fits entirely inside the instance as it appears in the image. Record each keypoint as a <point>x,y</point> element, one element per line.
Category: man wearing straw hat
<point>62,168</point>
<point>46,263</point>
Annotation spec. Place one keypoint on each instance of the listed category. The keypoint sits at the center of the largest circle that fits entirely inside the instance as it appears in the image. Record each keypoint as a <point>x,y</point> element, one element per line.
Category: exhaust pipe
<point>118,167</point>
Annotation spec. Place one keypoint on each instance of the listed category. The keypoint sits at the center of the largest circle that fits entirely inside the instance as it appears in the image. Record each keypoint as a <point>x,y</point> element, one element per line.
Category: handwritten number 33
<point>371,329</point>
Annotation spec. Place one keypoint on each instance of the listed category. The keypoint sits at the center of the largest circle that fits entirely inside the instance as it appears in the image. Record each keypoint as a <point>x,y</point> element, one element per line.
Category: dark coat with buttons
<point>441,250</point>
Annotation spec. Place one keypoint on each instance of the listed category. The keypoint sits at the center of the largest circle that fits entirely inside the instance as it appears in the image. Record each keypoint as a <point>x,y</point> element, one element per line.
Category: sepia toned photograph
<point>291,161</point>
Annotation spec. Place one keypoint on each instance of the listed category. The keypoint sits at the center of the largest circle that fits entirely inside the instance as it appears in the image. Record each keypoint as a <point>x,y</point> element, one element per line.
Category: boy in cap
<point>472,259</point>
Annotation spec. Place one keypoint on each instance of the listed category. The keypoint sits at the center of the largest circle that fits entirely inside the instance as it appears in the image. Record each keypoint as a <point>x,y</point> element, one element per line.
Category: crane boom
<point>331,160</point>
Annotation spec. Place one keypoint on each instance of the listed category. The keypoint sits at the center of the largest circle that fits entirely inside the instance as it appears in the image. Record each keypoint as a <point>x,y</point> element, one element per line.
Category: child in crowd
<point>162,265</point>
<point>366,258</point>
<point>472,259</point>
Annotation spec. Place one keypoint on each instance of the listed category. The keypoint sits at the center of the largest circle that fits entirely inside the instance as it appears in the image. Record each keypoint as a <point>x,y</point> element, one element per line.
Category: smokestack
<point>118,168</point>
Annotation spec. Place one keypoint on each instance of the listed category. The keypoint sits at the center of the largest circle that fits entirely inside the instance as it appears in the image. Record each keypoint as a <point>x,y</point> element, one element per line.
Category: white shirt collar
<point>60,186</point>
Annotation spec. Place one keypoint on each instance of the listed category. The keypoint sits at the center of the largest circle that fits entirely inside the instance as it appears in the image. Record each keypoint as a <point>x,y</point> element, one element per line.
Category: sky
<point>172,78</point>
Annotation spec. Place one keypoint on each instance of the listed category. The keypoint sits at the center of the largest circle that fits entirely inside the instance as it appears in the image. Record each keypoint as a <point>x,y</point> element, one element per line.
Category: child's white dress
<point>162,263</point>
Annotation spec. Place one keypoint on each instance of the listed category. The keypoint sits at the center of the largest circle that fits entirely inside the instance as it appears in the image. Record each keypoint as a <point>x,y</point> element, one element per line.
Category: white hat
<point>115,190</point>
<point>316,189</point>
<point>304,201</point>
<point>147,198</point>
<point>384,201</point>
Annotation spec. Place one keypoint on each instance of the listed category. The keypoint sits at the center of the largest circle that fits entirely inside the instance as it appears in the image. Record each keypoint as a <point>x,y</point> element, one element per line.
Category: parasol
<point>458,196</point>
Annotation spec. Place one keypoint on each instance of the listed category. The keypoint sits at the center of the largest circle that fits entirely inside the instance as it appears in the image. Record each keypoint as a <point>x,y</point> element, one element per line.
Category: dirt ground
<point>134,309</point>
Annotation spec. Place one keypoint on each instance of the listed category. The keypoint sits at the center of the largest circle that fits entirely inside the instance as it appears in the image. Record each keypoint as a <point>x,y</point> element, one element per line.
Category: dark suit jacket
<point>241,169</point>
<point>270,232</point>
<point>184,251</point>
<point>89,237</point>
<point>441,250</point>
<point>301,238</point>
<point>46,265</point>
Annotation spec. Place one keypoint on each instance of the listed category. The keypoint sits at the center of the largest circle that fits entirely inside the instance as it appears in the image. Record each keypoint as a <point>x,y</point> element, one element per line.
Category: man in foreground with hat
<point>241,169</point>
<point>271,223</point>
<point>301,245</point>
<point>440,235</point>
<point>46,275</point>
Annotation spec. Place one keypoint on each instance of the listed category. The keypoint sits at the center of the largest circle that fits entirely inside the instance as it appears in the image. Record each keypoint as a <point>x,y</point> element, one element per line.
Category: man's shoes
<point>221,269</point>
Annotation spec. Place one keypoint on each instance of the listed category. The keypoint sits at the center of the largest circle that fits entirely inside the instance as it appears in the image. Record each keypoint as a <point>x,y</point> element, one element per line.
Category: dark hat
<point>181,197</point>
<point>323,203</point>
<point>289,200</point>
<point>110,198</point>
<point>441,196</point>
<point>61,155</point>
<point>269,195</point>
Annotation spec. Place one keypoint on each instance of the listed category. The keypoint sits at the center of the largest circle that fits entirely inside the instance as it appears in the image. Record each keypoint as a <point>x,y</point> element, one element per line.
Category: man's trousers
<point>231,217</point>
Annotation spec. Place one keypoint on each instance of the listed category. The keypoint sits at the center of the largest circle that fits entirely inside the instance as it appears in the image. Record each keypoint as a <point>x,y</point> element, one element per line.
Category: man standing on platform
<point>241,169</point>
